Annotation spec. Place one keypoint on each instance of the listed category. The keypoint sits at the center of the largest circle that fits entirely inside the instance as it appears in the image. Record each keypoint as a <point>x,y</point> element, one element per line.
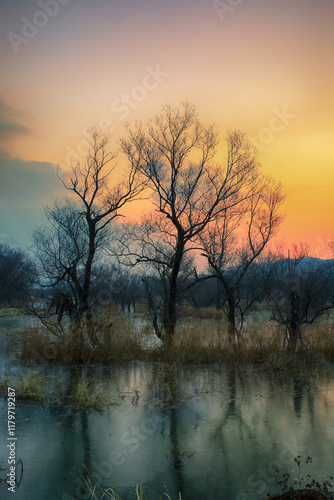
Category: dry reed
<point>130,337</point>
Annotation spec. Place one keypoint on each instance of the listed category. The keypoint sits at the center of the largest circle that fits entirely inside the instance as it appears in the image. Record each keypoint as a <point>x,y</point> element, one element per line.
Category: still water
<point>209,432</point>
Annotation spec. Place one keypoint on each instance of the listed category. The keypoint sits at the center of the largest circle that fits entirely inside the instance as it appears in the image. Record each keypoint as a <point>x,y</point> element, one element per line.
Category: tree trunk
<point>85,313</point>
<point>152,309</point>
<point>293,328</point>
<point>77,341</point>
<point>231,311</point>
<point>170,317</point>
<point>84,308</point>
<point>232,331</point>
<point>219,296</point>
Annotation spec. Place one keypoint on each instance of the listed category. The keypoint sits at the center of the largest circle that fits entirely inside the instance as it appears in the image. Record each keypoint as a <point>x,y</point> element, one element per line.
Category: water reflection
<point>208,432</point>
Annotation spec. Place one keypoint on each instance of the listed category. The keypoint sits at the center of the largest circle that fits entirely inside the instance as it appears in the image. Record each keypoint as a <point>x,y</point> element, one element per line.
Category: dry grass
<point>117,341</point>
<point>86,395</point>
<point>110,494</point>
<point>321,338</point>
<point>127,337</point>
<point>35,387</point>
<point>32,387</point>
<point>83,394</point>
<point>120,340</point>
<point>27,387</point>
<point>207,341</point>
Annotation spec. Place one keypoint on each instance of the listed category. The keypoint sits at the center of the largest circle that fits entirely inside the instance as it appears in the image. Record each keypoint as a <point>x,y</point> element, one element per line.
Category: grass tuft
<point>32,387</point>
<point>84,395</point>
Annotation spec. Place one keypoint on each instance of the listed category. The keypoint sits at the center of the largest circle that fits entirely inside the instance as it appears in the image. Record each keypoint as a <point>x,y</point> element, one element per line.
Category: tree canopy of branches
<point>174,157</point>
<point>78,231</point>
<point>299,290</point>
<point>236,239</point>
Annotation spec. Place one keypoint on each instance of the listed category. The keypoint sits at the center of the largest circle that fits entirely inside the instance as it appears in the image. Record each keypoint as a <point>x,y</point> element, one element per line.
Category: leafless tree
<point>284,294</point>
<point>173,155</point>
<point>78,231</point>
<point>236,239</point>
<point>120,284</point>
<point>300,291</point>
<point>150,245</point>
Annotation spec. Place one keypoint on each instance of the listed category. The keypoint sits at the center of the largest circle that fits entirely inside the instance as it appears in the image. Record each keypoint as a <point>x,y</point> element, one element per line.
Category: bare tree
<point>236,239</point>
<point>77,233</point>
<point>61,247</point>
<point>284,294</point>
<point>120,284</point>
<point>173,156</point>
<point>151,246</point>
<point>300,291</point>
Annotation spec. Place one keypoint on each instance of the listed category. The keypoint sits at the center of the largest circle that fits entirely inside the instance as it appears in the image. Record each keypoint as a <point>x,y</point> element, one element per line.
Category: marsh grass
<point>200,337</point>
<point>82,395</point>
<point>206,341</point>
<point>320,337</point>
<point>87,395</point>
<point>118,341</point>
<point>110,494</point>
<point>37,343</point>
<point>30,387</point>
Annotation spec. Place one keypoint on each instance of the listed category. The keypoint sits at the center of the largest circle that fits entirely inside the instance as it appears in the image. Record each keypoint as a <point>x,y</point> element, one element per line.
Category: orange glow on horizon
<point>264,68</point>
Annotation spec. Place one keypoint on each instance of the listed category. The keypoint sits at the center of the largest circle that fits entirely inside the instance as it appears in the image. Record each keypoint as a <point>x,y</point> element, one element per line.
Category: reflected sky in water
<point>208,432</point>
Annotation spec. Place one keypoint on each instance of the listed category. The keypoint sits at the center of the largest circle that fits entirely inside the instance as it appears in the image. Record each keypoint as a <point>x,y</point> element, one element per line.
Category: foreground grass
<point>292,489</point>
<point>110,494</point>
<point>81,395</point>
<point>27,387</point>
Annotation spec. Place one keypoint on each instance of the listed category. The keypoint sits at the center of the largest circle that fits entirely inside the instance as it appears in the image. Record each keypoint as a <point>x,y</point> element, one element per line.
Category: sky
<point>262,66</point>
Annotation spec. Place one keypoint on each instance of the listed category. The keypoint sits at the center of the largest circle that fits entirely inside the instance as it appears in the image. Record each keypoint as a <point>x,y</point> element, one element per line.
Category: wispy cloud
<point>25,186</point>
<point>9,122</point>
<point>8,128</point>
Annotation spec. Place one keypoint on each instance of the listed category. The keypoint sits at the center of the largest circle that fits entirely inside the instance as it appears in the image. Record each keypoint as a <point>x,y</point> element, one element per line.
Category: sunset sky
<point>263,66</point>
